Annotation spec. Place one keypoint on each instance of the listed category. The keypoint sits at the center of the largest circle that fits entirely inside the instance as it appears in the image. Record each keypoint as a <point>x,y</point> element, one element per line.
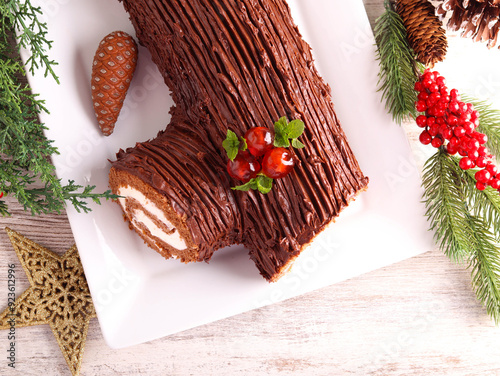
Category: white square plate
<point>139,296</point>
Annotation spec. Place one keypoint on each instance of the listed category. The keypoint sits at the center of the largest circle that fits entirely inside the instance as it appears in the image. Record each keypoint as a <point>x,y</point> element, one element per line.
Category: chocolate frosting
<point>240,64</point>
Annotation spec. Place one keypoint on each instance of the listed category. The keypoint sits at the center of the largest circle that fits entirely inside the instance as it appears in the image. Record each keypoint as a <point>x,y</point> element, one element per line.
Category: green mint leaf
<point>231,144</point>
<point>281,141</point>
<point>280,134</point>
<point>252,184</point>
<point>297,144</point>
<point>295,128</point>
<point>264,184</point>
<point>244,145</point>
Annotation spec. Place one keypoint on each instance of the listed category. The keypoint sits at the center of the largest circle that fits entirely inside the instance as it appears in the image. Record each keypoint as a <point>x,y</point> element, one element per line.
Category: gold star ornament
<point>58,296</point>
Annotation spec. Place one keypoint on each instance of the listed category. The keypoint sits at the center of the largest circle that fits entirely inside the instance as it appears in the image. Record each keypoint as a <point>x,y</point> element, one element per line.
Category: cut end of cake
<point>153,218</point>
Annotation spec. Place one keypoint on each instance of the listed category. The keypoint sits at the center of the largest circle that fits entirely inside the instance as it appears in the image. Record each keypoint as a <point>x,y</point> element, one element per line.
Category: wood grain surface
<point>418,317</point>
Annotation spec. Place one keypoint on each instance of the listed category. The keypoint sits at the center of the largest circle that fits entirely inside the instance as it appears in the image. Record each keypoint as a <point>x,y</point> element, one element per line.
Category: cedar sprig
<point>461,228</point>
<point>23,17</point>
<point>398,68</point>
<point>24,149</point>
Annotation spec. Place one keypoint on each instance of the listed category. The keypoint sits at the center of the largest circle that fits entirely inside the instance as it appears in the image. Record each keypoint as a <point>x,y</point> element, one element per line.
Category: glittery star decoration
<point>58,296</point>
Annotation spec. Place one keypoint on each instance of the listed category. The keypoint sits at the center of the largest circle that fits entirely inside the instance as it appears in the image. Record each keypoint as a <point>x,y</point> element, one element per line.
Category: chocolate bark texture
<point>236,65</point>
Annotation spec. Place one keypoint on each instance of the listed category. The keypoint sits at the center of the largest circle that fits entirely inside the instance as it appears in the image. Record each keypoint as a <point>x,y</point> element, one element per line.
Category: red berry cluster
<point>450,122</point>
<point>260,157</point>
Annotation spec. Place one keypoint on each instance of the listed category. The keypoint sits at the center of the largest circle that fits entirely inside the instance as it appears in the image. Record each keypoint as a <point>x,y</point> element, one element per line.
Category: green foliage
<point>398,68</point>
<point>465,224</point>
<point>285,131</point>
<point>24,148</point>
<point>261,183</point>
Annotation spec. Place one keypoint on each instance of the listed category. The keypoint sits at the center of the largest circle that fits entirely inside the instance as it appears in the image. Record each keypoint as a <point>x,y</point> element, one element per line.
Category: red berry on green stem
<point>480,186</point>
<point>277,163</point>
<point>259,140</point>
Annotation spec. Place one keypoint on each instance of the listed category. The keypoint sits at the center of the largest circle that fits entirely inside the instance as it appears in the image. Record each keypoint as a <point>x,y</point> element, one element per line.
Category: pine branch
<point>484,262</point>
<point>456,212</point>
<point>24,149</point>
<point>489,123</point>
<point>398,68</point>
<point>446,210</point>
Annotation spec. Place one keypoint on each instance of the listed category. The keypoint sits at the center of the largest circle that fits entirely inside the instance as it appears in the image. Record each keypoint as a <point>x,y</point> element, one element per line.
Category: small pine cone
<point>112,71</point>
<point>477,19</point>
<point>425,31</point>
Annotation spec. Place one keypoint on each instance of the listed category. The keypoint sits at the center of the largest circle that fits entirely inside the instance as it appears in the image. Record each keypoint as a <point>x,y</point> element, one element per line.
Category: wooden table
<point>418,317</point>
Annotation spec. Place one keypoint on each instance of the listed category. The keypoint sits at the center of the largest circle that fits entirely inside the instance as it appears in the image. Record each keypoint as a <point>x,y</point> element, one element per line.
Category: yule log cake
<point>232,65</point>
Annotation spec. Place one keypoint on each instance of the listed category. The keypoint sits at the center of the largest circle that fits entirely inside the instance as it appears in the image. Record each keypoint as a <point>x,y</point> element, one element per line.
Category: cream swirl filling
<point>173,238</point>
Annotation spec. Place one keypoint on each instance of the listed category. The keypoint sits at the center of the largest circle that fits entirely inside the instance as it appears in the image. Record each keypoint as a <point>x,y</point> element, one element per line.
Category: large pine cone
<point>477,19</point>
<point>425,31</point>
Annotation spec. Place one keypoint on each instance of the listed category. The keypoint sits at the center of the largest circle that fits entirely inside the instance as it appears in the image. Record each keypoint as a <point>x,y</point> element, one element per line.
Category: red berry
<point>441,81</point>
<point>462,152</point>
<point>452,120</point>
<point>428,82</point>
<point>495,183</point>
<point>492,169</point>
<point>447,133</point>
<point>277,163</point>
<point>243,168</point>
<point>481,161</point>
<point>440,121</point>
<point>473,145</point>
<point>482,151</point>
<point>425,138</point>
<point>434,88</point>
<point>420,106</point>
<point>454,94</point>
<point>430,121</point>
<point>423,96</point>
<point>480,137</point>
<point>465,163</point>
<point>459,132</point>
<point>259,140</point>
<point>453,107</point>
<point>451,149</point>
<point>470,108</point>
<point>469,127</point>
<point>434,130</point>
<point>480,186</point>
<point>418,86</point>
<point>473,155</point>
<point>454,141</point>
<point>436,142</point>
<point>474,115</point>
<point>462,107</point>
<point>421,121</point>
<point>482,176</point>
